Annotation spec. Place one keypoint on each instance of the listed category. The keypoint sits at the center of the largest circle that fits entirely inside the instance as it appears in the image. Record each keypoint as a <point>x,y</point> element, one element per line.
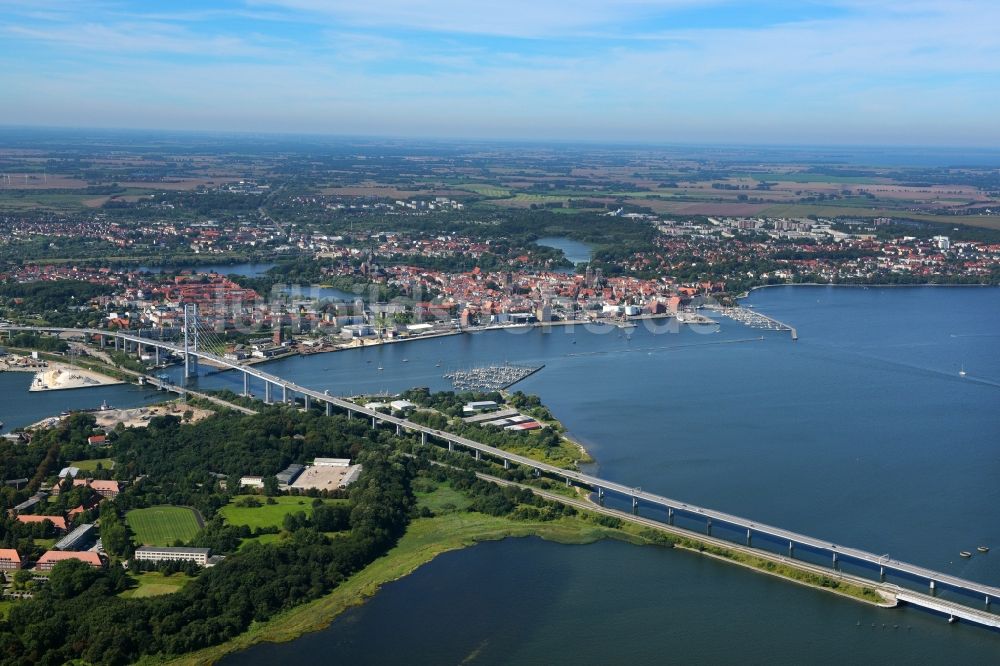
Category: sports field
<point>162,525</point>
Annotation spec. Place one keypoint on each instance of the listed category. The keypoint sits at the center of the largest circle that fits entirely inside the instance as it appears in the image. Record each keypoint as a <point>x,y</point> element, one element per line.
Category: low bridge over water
<point>793,543</point>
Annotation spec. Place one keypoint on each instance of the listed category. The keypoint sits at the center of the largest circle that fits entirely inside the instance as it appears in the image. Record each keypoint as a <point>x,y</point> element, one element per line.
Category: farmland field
<point>163,525</point>
<point>486,190</point>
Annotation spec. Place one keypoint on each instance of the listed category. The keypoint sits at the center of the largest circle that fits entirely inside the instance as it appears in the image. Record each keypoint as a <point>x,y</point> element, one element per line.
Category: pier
<point>490,378</point>
<point>754,319</point>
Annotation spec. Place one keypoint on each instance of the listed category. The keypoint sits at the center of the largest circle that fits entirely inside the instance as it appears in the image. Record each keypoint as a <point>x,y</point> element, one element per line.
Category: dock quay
<point>754,319</point>
<point>490,378</point>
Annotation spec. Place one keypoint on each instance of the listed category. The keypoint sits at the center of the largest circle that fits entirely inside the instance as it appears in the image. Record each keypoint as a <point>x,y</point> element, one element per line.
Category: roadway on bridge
<point>987,592</point>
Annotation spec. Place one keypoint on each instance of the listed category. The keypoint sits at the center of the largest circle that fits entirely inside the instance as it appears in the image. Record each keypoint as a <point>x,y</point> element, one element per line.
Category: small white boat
<point>981,549</point>
<point>961,373</point>
<point>966,554</point>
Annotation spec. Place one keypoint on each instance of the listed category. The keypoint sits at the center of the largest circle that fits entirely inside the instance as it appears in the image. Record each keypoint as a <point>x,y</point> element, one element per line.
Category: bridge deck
<point>842,552</point>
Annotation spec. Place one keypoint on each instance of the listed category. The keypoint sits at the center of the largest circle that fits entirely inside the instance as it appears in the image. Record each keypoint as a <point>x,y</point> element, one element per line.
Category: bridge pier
<point>157,353</point>
<point>451,446</point>
<point>635,504</point>
<point>933,587</point>
<point>670,516</point>
<point>791,549</point>
<point>477,454</point>
<point>284,393</point>
<point>373,423</point>
<point>246,384</point>
<point>329,410</point>
<point>708,527</point>
<point>506,465</point>
<point>267,392</point>
<point>569,483</point>
<point>987,602</point>
<point>423,439</point>
<point>308,401</point>
<point>399,430</point>
<point>881,574</point>
<point>835,560</point>
<point>117,343</point>
<point>749,537</point>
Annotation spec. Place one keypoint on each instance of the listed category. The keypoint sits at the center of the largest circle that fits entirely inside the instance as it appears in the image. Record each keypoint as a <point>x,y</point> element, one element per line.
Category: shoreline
<point>859,285</point>
<point>456,531</point>
<point>63,377</point>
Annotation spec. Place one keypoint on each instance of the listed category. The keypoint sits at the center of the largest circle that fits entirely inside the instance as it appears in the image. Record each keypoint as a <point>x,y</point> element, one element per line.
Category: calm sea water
<point>18,408</point>
<point>525,601</point>
<point>862,432</point>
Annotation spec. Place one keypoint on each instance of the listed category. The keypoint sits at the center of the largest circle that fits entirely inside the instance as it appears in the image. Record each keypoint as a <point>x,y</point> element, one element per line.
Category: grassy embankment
<point>567,454</point>
<point>793,573</point>
<point>453,528</point>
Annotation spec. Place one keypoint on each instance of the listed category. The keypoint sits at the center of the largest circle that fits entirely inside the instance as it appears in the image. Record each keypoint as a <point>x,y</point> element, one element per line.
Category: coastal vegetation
<point>443,410</point>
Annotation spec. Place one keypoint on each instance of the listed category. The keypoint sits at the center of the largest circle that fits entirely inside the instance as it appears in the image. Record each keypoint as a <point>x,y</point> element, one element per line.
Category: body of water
<point>249,270</point>
<point>18,408</point>
<point>863,432</point>
<point>316,292</point>
<point>525,601</point>
<point>575,251</point>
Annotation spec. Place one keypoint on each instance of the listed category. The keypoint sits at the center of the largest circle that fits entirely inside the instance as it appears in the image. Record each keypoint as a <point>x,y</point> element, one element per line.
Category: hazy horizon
<point>825,73</point>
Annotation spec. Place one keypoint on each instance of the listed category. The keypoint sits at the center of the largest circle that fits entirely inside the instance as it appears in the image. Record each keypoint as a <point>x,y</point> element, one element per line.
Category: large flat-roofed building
<point>289,474</point>
<point>81,537</point>
<point>327,476</point>
<point>54,557</point>
<point>251,482</point>
<point>183,554</point>
<point>332,462</point>
<point>480,406</point>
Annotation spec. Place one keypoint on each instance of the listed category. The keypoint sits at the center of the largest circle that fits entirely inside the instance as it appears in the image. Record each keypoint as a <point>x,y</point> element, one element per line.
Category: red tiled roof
<point>58,521</point>
<point>11,555</point>
<point>90,557</point>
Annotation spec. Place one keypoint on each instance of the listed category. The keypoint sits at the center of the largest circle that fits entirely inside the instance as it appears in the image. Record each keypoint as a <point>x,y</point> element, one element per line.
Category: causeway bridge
<point>879,567</point>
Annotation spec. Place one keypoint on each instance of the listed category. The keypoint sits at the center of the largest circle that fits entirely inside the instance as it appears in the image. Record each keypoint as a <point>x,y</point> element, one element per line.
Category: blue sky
<point>913,72</point>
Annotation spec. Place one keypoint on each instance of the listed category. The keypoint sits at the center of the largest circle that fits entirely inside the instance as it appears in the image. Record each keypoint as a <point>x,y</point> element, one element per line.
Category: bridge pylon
<point>190,340</point>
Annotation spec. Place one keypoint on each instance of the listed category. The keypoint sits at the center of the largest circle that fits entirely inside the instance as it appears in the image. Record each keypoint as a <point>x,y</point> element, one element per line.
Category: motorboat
<point>983,549</point>
<point>965,554</point>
